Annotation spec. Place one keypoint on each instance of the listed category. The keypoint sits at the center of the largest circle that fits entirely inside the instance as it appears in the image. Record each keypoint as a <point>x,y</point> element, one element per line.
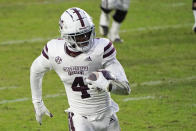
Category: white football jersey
<point>73,70</point>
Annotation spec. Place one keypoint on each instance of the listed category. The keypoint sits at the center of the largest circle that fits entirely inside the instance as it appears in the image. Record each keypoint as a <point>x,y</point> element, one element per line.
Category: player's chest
<point>66,65</point>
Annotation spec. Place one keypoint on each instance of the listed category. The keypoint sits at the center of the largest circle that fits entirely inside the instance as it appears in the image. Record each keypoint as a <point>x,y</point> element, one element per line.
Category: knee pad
<point>107,11</point>
<point>119,15</point>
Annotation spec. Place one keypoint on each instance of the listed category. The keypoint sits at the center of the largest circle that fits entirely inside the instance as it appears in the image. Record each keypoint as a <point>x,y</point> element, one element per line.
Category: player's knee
<point>119,15</point>
<point>105,10</point>
<point>194,5</point>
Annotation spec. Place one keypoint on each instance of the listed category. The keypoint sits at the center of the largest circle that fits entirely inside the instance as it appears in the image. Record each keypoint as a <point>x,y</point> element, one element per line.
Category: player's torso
<point>72,71</point>
<point>68,67</point>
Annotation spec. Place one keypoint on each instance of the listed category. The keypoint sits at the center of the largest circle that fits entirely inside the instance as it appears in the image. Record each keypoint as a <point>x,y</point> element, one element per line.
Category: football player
<point>74,57</point>
<point>121,9</point>
<point>194,13</point>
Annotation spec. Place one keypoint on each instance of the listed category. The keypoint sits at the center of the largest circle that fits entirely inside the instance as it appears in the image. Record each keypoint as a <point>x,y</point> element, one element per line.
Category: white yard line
<point>54,95</point>
<point>176,4</point>
<point>149,83</point>
<point>14,100</point>
<point>157,27</point>
<point>24,41</point>
<point>11,87</point>
<point>138,98</point>
<point>32,40</point>
<point>60,1</point>
<point>155,83</point>
<point>27,99</point>
<point>33,3</point>
<point>158,82</point>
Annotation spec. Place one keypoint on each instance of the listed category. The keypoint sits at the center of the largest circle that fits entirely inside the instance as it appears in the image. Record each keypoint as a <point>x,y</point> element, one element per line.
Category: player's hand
<point>100,84</point>
<point>40,110</point>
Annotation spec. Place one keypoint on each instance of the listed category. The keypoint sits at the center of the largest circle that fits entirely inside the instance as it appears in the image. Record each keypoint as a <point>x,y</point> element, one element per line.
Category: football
<point>106,74</point>
<point>94,75</point>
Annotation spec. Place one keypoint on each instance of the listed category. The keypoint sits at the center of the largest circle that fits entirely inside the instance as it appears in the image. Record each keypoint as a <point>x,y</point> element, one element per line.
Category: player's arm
<point>112,79</point>
<point>38,68</point>
<point>119,83</point>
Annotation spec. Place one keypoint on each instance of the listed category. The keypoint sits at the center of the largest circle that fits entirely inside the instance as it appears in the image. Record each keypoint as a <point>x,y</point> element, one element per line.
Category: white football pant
<point>114,31</point>
<point>115,4</point>
<point>81,123</point>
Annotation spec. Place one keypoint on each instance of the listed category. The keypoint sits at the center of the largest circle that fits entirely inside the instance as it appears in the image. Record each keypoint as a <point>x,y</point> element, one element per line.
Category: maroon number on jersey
<point>78,85</point>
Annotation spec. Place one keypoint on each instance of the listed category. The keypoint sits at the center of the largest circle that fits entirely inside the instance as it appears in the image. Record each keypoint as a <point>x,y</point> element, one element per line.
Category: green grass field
<point>158,55</point>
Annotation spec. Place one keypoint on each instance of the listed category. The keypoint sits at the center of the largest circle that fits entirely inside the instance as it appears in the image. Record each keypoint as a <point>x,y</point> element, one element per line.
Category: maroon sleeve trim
<point>109,53</point>
<point>46,48</point>
<point>108,46</point>
<point>44,54</point>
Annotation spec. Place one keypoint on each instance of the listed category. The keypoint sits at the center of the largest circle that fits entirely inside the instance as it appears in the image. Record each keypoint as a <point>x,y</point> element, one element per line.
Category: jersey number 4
<point>78,85</point>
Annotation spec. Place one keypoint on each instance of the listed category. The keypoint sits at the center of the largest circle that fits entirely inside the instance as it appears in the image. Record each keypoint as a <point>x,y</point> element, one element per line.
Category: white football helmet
<point>78,29</point>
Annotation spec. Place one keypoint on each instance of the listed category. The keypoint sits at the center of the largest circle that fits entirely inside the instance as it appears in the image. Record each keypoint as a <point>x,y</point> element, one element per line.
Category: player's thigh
<point>114,124</point>
<point>126,4</point>
<point>115,4</point>
<point>109,4</point>
<point>123,5</point>
<point>79,123</point>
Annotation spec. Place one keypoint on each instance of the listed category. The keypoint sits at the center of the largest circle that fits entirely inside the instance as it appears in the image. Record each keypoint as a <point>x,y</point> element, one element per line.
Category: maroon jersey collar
<point>71,53</point>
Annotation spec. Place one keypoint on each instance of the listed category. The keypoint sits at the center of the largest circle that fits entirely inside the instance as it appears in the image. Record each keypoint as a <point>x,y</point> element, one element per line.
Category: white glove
<point>100,84</point>
<point>40,110</point>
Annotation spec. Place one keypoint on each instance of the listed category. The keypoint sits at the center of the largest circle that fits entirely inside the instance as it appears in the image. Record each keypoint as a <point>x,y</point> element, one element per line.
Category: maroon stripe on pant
<point>71,125</point>
<point>109,53</point>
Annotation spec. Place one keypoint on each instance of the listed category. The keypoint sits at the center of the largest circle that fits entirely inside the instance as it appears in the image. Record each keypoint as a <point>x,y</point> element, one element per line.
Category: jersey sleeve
<point>110,62</point>
<point>117,70</point>
<point>120,85</point>
<point>38,68</point>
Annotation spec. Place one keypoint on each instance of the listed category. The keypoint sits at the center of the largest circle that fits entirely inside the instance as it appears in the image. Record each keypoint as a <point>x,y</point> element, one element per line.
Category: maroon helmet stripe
<point>108,46</point>
<point>46,48</point>
<point>109,53</point>
<point>44,54</point>
<point>79,16</point>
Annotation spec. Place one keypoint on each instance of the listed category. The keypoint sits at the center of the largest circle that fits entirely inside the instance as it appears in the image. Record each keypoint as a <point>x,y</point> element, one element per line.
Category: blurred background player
<point>121,8</point>
<point>194,13</point>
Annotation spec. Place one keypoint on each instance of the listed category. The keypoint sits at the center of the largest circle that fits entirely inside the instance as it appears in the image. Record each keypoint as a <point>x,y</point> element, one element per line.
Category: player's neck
<point>71,53</point>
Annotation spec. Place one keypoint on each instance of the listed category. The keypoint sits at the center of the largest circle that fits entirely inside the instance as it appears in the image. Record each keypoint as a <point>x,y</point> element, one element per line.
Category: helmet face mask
<point>77,29</point>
